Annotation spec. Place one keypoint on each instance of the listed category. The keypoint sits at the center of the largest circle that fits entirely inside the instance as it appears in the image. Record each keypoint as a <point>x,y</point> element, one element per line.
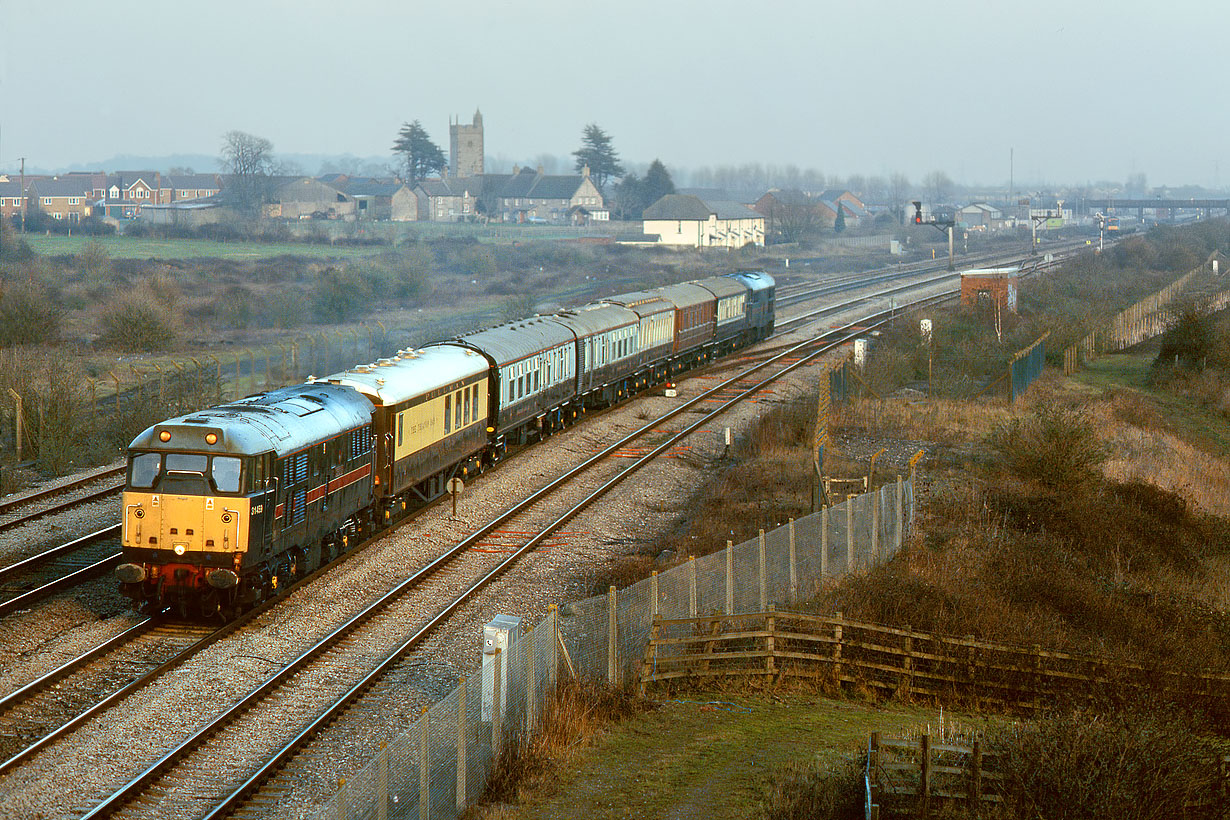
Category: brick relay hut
<point>988,287</point>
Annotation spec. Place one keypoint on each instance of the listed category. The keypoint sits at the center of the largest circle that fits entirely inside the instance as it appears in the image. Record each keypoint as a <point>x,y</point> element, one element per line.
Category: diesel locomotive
<point>228,506</point>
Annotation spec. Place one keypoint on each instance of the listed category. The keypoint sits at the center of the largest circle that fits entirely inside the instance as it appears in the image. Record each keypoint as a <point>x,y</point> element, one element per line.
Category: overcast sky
<point>1082,91</point>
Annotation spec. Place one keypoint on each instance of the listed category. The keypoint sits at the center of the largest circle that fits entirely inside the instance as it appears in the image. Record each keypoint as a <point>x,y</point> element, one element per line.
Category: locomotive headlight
<point>165,435</point>
<point>179,549</point>
<point>211,438</point>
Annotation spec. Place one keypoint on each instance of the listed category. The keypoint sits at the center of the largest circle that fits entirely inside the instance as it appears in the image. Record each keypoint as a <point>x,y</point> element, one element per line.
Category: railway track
<point>168,775</point>
<point>31,579</point>
<point>10,505</point>
<point>196,761</point>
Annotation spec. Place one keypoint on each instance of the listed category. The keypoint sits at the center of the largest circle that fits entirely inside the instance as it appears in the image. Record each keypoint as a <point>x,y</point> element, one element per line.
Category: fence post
<point>730,578</point>
<point>769,642</point>
<point>850,565</point>
<point>462,734</point>
<point>908,661</point>
<point>382,784</point>
<point>424,767</point>
<point>975,778</point>
<point>875,527</point>
<point>653,594</point>
<point>497,707</point>
<point>19,421</point>
<point>612,639</point>
<point>531,687</point>
<point>900,514</point>
<point>764,590</point>
<point>691,586</point>
<point>837,636</point>
<point>924,779</point>
<point>553,671</point>
<point>873,767</point>
<point>824,543</point>
<point>794,576</point>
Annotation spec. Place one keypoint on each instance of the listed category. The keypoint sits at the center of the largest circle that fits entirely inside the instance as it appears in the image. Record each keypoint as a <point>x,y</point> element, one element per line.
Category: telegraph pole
<point>23,195</point>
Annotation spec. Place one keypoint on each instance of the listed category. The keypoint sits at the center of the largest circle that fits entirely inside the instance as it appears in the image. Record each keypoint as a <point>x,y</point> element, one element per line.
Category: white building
<point>688,221</point>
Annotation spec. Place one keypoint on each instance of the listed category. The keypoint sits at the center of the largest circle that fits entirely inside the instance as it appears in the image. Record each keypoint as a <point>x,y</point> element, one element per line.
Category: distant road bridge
<point>1140,205</point>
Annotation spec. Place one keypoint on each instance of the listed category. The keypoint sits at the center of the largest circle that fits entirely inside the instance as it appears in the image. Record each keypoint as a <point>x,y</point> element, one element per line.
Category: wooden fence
<point>903,663</point>
<point>916,778</point>
<point>922,778</point>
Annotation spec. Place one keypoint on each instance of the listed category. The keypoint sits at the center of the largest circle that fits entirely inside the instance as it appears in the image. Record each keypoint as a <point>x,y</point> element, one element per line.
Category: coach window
<point>474,390</point>
<point>401,425</point>
<point>466,417</point>
<point>448,412</point>
<point>457,412</point>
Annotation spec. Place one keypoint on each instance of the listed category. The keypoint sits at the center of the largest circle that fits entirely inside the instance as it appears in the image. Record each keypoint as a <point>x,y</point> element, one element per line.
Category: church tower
<point>465,147</point>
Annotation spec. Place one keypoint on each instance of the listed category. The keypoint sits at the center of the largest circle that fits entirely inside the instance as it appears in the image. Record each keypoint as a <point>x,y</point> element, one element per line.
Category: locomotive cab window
<point>143,469</point>
<point>225,474</point>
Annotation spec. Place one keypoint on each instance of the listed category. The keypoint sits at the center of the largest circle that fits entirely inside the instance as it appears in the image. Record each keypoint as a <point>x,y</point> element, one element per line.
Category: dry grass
<point>577,712</point>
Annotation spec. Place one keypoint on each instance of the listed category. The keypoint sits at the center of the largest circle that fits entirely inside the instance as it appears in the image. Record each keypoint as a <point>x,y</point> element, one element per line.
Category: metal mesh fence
<point>443,762</point>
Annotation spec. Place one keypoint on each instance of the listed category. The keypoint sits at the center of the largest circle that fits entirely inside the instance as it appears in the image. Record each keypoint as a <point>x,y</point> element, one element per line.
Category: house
<point>179,187</point>
<point>981,215</point>
<point>842,195</point>
<point>524,196</point>
<point>127,191</point>
<point>448,199</point>
<point>533,196</point>
<point>66,199</point>
<point>11,197</point>
<point>308,198</point>
<point>688,221</point>
<point>379,198</point>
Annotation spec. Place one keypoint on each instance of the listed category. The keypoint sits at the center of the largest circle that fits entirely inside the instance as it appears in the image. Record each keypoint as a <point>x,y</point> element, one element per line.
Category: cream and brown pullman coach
<point>431,419</point>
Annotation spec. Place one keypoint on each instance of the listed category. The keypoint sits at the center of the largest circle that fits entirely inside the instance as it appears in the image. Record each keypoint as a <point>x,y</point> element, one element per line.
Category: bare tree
<point>249,161</point>
<point>898,194</point>
<point>938,186</point>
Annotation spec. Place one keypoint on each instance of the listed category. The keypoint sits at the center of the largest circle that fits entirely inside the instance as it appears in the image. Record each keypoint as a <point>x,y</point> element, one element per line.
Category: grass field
<point>1198,425</point>
<point>122,247</point>
<point>708,755</point>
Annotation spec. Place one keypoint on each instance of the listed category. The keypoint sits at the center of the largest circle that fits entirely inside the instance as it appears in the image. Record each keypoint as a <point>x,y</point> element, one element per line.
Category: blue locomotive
<point>228,506</point>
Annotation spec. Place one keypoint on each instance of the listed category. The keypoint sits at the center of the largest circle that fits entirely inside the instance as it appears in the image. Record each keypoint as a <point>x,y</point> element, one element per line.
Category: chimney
<point>585,170</point>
